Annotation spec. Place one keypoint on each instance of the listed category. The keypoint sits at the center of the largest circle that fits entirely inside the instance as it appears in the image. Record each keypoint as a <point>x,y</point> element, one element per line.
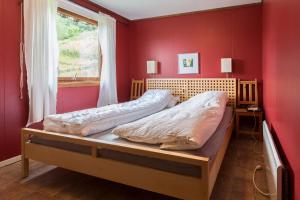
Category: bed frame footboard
<point>163,182</point>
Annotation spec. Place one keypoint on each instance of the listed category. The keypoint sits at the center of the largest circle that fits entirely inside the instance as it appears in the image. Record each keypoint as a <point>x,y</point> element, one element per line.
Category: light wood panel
<point>186,88</point>
<point>179,87</point>
<point>121,172</point>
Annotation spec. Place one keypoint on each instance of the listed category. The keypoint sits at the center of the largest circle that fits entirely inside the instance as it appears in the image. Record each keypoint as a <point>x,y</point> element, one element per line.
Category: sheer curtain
<point>107,41</point>
<point>41,57</point>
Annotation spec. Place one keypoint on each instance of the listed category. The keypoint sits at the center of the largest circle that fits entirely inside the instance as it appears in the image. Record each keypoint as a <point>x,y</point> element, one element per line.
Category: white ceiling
<point>140,9</point>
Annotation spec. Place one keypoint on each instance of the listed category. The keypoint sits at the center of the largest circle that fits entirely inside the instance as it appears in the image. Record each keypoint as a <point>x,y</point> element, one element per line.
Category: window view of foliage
<point>78,47</point>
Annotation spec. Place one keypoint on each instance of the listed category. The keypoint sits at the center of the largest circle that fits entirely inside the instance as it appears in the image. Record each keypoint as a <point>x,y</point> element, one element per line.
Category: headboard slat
<point>189,87</point>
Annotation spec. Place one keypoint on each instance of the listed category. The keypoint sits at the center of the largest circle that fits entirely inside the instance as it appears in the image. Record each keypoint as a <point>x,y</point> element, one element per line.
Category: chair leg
<point>237,126</point>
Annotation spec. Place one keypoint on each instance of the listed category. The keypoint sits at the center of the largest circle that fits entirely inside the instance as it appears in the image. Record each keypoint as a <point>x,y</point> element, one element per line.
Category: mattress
<point>91,121</point>
<point>209,149</point>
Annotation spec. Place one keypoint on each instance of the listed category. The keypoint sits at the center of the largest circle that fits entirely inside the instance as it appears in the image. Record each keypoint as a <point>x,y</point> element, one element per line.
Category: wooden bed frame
<point>167,183</point>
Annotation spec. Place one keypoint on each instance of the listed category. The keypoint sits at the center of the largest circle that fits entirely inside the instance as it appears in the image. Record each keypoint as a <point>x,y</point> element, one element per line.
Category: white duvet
<point>186,126</point>
<point>95,120</point>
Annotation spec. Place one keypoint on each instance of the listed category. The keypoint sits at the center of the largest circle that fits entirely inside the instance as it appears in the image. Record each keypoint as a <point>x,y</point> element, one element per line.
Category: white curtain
<point>41,57</point>
<point>107,42</point>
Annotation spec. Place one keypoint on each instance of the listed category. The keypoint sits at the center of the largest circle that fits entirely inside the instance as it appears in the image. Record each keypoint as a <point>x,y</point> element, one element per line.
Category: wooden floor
<point>49,183</point>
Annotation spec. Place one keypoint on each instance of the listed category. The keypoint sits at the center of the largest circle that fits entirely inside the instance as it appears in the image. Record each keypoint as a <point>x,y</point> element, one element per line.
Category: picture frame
<point>188,63</point>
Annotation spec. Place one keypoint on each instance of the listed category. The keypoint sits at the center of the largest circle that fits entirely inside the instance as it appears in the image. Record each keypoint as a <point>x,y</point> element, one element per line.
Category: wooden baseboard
<point>10,161</point>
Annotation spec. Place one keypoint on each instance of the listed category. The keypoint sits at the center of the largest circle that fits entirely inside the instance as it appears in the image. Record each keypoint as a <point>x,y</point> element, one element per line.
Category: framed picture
<point>188,63</point>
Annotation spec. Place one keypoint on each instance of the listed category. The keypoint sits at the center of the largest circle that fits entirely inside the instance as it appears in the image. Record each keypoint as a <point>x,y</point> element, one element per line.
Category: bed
<point>181,174</point>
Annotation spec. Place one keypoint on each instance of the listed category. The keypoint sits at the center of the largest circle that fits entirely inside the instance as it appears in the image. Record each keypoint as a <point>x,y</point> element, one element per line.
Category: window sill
<point>71,84</point>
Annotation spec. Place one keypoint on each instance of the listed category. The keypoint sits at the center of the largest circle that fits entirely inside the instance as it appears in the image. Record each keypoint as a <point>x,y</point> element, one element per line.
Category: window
<point>78,49</point>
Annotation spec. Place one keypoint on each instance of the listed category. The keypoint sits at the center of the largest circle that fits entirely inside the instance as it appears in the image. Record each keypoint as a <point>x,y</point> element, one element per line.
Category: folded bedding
<point>95,120</point>
<point>183,127</point>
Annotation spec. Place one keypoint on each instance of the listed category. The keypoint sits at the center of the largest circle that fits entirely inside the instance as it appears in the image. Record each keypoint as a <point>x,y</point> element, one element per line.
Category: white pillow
<point>173,102</point>
<point>155,92</point>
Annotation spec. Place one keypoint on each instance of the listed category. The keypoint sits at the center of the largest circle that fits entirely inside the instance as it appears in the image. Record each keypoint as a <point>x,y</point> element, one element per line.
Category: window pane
<point>78,47</point>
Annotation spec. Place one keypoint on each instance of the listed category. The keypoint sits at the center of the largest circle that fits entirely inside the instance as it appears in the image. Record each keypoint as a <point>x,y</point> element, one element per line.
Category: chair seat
<point>241,110</point>
<point>246,111</point>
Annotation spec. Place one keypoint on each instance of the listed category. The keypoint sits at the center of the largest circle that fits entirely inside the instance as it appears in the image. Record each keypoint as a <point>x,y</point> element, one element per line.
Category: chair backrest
<point>247,93</point>
<point>137,89</point>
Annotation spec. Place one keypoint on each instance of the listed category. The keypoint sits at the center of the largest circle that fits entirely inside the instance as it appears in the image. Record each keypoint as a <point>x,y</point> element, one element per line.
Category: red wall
<point>234,32</point>
<point>281,74</point>
<point>70,99</point>
<point>1,85</point>
<point>13,111</point>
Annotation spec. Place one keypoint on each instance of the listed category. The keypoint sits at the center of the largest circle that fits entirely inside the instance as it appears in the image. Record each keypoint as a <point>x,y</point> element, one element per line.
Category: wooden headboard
<point>189,87</point>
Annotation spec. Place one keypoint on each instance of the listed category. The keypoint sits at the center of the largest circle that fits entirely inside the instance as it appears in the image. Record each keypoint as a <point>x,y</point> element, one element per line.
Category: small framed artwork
<point>188,63</point>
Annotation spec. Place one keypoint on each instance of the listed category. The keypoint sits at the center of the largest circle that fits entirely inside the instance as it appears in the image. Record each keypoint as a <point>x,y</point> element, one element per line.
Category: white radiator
<point>274,166</point>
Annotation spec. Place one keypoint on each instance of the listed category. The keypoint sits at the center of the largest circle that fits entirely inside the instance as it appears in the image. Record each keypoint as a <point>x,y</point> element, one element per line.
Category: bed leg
<point>25,167</point>
<point>25,161</point>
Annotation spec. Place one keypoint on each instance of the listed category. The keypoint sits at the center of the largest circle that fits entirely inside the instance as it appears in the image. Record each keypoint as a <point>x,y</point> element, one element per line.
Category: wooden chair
<point>137,89</point>
<point>248,95</point>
